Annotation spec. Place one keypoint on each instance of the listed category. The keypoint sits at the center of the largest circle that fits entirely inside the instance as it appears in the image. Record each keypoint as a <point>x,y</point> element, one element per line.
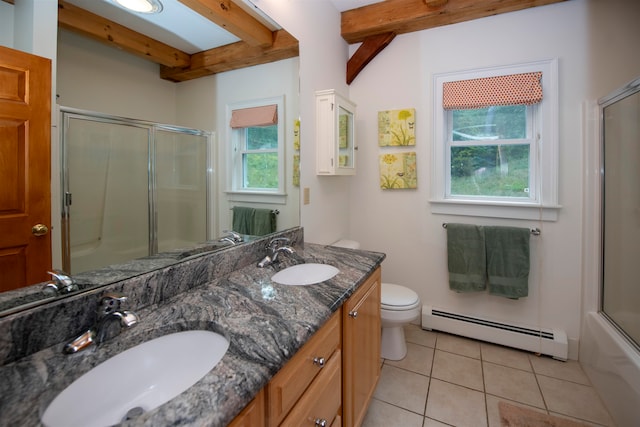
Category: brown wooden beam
<point>405,16</point>
<point>78,20</point>
<point>234,19</point>
<point>371,46</point>
<point>234,56</point>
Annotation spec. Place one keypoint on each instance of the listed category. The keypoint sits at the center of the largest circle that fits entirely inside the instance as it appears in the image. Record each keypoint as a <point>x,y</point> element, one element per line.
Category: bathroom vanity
<point>326,336</point>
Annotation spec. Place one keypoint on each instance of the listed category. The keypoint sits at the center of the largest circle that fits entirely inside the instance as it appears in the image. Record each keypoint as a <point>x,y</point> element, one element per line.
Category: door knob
<point>39,230</point>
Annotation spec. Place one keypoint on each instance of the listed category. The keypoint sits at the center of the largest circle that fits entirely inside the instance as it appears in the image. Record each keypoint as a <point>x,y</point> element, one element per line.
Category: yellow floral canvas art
<point>397,127</point>
<point>398,171</point>
<point>296,170</point>
<point>296,134</point>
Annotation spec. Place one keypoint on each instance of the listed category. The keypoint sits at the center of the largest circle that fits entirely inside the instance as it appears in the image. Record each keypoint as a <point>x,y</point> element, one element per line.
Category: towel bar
<point>535,231</point>
<point>275,211</point>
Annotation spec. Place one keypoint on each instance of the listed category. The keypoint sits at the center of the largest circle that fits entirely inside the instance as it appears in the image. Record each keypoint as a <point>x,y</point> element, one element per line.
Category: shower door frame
<point>66,113</point>
<point>629,89</point>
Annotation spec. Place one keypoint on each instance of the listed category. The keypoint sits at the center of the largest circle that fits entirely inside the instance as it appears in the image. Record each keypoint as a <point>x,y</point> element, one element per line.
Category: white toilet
<point>400,306</point>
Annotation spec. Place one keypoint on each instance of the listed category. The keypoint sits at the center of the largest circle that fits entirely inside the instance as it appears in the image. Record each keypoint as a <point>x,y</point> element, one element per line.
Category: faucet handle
<point>234,235</point>
<point>111,302</point>
<point>274,243</point>
<point>61,282</point>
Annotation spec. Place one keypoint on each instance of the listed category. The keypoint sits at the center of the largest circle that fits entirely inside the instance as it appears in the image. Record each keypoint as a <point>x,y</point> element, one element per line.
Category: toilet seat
<point>398,298</point>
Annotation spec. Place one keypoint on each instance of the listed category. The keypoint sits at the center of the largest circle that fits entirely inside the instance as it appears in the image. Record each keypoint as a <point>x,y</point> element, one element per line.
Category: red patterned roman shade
<point>514,89</point>
<point>265,115</point>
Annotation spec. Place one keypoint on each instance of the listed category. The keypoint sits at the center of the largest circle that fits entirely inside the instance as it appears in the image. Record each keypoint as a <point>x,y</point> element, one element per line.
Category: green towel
<point>264,222</point>
<point>508,261</point>
<point>242,220</point>
<point>466,258</point>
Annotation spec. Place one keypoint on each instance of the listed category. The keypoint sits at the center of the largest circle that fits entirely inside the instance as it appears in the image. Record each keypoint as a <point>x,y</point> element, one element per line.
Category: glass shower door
<point>621,212</point>
<point>181,188</point>
<point>108,192</point>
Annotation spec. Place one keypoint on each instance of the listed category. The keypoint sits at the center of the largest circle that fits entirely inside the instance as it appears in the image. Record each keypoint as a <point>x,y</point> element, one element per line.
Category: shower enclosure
<point>130,188</point>
<point>620,292</point>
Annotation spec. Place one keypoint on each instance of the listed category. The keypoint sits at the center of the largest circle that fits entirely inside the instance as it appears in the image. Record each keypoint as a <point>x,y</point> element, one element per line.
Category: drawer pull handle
<point>321,422</point>
<point>319,361</point>
<point>353,314</point>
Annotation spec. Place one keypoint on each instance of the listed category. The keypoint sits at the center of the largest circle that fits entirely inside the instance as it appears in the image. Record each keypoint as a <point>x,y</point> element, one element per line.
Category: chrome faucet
<point>274,248</point>
<point>61,283</point>
<point>109,310</point>
<point>231,237</point>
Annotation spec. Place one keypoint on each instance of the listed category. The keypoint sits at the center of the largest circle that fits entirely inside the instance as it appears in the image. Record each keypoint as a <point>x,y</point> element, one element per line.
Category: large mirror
<point>96,77</point>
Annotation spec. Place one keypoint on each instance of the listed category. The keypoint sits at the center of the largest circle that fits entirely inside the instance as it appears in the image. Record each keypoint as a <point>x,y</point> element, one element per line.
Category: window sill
<point>495,209</point>
<point>257,197</point>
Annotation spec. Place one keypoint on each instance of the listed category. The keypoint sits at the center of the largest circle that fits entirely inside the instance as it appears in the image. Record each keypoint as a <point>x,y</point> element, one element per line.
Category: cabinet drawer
<point>287,386</point>
<point>321,402</point>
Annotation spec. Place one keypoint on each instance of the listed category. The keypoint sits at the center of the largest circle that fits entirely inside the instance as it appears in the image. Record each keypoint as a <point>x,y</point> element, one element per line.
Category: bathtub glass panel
<point>621,213</point>
<point>132,189</point>
<point>181,189</point>
<point>107,178</point>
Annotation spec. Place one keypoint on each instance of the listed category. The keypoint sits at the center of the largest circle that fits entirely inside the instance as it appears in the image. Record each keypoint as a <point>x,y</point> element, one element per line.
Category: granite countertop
<point>264,333</point>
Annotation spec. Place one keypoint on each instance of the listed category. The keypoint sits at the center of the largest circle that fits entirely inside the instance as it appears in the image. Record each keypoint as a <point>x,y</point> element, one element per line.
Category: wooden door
<point>25,169</point>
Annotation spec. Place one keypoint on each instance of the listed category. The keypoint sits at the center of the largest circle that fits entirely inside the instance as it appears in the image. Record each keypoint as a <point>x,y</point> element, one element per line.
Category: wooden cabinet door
<point>25,168</point>
<point>361,350</point>
<point>253,415</point>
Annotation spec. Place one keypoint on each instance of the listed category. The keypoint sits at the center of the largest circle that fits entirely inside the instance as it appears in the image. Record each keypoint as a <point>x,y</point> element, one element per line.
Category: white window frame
<point>235,174</point>
<point>543,205</point>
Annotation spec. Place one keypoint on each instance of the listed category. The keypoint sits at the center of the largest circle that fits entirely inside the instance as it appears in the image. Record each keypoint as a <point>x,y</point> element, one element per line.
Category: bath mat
<point>517,416</point>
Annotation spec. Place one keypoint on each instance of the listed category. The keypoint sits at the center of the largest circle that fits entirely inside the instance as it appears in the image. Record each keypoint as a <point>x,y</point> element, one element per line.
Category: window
<point>257,150</point>
<point>495,149</point>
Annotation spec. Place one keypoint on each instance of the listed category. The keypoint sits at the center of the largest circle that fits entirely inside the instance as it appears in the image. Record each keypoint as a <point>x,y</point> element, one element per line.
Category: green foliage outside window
<point>260,159</point>
<point>481,167</point>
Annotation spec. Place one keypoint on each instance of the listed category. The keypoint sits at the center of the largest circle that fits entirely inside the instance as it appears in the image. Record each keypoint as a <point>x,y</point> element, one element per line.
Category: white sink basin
<point>137,380</point>
<point>305,274</point>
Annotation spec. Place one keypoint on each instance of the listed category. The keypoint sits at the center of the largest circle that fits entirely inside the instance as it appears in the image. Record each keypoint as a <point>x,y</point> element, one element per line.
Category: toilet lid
<point>398,296</point>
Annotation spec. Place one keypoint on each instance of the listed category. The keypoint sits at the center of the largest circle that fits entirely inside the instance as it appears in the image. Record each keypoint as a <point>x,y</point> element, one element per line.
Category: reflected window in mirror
<point>257,141</point>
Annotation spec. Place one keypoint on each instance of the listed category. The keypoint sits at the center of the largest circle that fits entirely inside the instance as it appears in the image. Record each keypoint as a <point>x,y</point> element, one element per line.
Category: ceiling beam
<point>371,46</point>
<point>234,19</point>
<point>405,16</point>
<point>80,21</point>
<point>234,56</point>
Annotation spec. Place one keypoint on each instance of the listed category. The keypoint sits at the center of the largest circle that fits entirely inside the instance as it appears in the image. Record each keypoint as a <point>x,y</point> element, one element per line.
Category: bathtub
<point>613,366</point>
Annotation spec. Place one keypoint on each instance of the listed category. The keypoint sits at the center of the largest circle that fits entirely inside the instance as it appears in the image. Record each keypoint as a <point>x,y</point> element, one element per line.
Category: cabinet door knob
<point>319,361</point>
<point>321,422</point>
<point>353,314</point>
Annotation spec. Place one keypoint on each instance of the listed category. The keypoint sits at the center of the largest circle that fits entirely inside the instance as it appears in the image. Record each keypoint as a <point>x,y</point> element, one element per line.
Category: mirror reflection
<point>94,77</point>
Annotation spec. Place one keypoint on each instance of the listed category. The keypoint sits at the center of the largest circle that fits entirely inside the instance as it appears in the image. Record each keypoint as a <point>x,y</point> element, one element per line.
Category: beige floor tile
<point>459,345</point>
<point>493,413</point>
<point>382,414</point>
<point>505,356</point>
<point>428,422</point>
<point>512,384</point>
<point>418,359</point>
<point>402,388</point>
<point>417,335</point>
<point>574,400</point>
<point>569,370</point>
<point>456,405</point>
<point>457,369</point>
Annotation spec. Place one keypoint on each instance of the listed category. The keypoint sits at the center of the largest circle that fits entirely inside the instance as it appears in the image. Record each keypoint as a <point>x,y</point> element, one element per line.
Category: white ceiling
<point>182,28</point>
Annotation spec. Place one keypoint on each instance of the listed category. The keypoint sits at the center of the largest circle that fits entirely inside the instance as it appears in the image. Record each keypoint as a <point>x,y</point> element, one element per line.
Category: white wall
<point>323,59</point>
<point>6,24</point>
<point>258,82</point>
<point>96,77</point>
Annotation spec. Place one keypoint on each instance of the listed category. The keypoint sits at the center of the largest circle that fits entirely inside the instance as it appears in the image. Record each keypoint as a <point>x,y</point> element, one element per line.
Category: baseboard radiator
<point>551,342</point>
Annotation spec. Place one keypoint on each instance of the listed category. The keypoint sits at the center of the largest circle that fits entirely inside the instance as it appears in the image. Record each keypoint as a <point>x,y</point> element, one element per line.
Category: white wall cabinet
<point>335,134</point>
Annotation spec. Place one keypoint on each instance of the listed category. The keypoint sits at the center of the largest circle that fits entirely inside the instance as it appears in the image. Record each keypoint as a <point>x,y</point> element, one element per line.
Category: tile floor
<point>446,380</point>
